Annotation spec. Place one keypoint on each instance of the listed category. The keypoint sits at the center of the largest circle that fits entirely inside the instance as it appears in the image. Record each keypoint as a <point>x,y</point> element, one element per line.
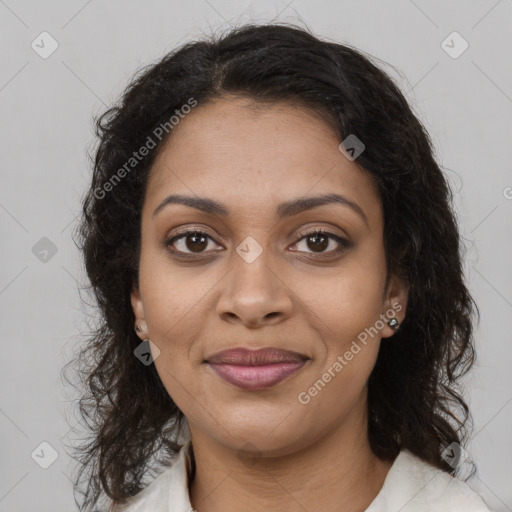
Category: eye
<point>193,240</point>
<point>192,243</point>
<point>320,239</point>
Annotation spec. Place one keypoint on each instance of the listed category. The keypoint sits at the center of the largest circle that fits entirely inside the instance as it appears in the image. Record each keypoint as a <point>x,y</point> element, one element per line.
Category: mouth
<point>256,369</point>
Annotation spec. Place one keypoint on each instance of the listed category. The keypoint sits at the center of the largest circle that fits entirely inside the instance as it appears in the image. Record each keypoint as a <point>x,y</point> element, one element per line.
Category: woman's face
<point>254,279</point>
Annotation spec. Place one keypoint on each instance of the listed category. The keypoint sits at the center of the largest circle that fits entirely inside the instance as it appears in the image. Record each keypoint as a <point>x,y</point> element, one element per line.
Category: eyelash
<point>344,244</point>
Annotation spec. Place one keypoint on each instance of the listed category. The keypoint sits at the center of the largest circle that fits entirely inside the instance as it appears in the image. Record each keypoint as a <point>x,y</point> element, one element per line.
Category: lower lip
<point>256,377</point>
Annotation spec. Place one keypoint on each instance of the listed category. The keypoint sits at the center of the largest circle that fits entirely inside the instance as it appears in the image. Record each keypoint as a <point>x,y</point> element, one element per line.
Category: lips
<point>245,357</point>
<point>256,369</point>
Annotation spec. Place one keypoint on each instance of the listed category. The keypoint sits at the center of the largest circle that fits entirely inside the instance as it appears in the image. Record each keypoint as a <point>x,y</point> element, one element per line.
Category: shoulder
<point>168,489</point>
<point>413,485</point>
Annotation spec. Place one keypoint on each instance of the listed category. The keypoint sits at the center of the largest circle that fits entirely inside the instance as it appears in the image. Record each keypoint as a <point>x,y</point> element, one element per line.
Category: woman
<point>284,317</point>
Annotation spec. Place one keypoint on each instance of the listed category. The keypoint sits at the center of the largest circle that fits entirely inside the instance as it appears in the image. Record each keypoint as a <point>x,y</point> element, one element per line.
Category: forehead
<point>251,157</point>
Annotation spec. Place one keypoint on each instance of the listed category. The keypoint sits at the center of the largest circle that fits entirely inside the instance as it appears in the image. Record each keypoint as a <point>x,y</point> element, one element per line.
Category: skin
<point>264,450</point>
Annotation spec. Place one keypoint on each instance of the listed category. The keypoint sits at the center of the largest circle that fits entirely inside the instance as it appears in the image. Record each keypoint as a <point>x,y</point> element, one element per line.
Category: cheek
<point>348,300</point>
<point>175,336</point>
<point>173,297</point>
<point>345,307</point>
<point>173,302</point>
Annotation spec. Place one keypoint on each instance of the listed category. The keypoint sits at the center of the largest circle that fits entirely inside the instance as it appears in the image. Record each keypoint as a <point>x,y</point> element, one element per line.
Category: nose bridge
<point>253,288</point>
<point>252,263</point>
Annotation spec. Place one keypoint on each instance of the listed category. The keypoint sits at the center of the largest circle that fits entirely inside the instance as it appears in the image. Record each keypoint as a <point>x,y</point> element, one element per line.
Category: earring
<point>393,323</point>
<point>139,329</point>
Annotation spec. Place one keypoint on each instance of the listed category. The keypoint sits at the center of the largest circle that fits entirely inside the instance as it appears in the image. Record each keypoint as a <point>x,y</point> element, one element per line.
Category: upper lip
<point>246,357</point>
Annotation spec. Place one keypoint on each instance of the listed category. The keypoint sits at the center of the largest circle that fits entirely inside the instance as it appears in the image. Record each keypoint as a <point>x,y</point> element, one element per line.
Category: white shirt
<point>411,485</point>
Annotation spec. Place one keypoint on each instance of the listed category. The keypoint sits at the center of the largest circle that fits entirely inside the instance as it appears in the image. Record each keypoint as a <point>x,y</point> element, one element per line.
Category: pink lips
<point>256,369</point>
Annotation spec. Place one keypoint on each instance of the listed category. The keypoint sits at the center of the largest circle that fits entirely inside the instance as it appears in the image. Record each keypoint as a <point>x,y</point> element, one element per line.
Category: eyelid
<point>343,242</point>
<point>182,233</point>
<point>194,229</point>
<point>322,229</point>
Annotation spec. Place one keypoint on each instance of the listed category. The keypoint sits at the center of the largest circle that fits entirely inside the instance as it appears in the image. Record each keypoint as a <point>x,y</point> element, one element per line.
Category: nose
<point>254,293</point>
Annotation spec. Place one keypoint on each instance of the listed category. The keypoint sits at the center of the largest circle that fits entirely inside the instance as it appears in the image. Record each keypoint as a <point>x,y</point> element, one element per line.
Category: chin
<point>259,435</point>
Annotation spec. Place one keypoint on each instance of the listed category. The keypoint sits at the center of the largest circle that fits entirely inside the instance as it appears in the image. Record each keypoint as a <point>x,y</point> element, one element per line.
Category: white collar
<point>411,485</point>
<point>168,492</point>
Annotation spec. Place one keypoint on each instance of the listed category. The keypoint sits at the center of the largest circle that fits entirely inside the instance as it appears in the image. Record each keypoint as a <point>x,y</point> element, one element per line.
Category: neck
<point>337,470</point>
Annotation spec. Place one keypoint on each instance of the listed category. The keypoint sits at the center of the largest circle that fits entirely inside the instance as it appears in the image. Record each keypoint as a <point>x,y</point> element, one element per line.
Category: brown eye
<point>319,240</point>
<point>193,241</point>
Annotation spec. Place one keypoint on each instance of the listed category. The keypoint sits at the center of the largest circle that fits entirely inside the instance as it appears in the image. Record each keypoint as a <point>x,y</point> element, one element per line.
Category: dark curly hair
<point>414,396</point>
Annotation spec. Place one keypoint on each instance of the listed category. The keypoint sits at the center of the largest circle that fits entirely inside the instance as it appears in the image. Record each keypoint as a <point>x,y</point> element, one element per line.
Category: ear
<point>395,303</point>
<point>138,311</point>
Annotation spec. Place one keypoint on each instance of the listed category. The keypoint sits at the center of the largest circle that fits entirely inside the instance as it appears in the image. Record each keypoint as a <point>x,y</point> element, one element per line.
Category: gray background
<point>47,107</point>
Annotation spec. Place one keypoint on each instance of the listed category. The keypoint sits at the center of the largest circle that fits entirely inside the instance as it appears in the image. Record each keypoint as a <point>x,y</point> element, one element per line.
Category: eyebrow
<point>283,210</point>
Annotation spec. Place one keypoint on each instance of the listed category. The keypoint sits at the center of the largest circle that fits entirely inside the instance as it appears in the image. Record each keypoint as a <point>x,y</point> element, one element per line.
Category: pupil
<point>196,246</point>
<point>321,245</point>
